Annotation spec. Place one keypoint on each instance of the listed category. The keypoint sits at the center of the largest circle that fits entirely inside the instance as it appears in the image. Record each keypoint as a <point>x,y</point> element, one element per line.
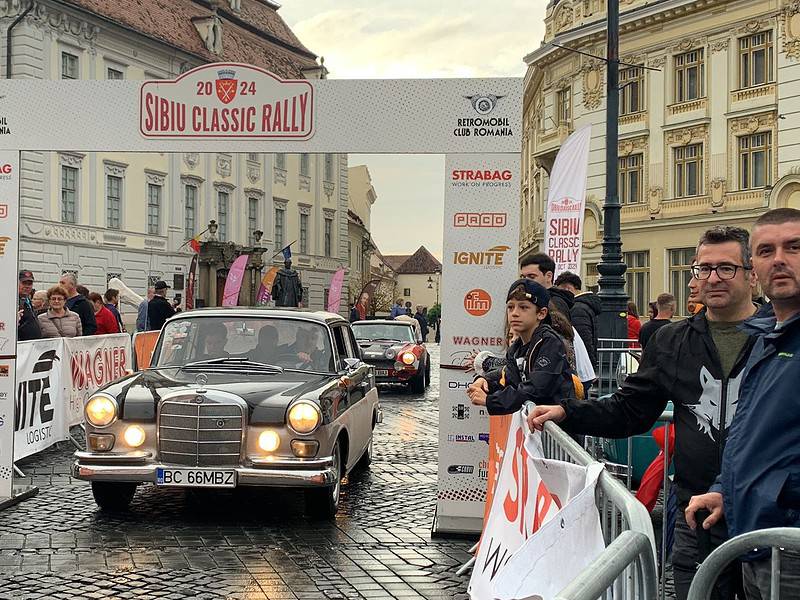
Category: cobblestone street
<point>247,544</point>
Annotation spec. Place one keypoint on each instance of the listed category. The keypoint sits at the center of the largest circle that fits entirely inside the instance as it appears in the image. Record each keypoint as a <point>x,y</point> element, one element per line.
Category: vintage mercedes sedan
<point>236,397</point>
<point>395,349</point>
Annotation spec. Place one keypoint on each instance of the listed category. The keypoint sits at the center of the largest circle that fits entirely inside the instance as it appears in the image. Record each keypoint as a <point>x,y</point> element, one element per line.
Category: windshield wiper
<point>386,340</point>
<point>242,361</point>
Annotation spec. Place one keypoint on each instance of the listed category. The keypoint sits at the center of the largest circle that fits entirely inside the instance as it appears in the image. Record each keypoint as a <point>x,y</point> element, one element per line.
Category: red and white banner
<point>566,201</point>
<point>530,491</point>
<point>233,284</point>
<point>89,363</point>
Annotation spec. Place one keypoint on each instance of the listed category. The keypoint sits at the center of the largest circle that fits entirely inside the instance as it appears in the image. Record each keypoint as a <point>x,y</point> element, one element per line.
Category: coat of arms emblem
<point>226,85</point>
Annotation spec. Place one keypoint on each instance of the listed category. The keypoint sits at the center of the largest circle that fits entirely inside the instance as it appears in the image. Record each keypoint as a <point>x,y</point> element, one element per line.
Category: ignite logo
<point>3,241</point>
<point>491,258</point>
<point>477,302</point>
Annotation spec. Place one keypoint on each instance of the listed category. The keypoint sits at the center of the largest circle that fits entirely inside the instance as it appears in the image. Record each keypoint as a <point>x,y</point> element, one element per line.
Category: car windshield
<point>383,331</point>
<point>287,343</point>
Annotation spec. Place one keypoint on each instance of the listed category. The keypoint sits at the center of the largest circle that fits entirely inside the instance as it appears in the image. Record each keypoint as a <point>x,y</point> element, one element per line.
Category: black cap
<point>535,292</point>
<point>26,276</point>
<point>160,285</point>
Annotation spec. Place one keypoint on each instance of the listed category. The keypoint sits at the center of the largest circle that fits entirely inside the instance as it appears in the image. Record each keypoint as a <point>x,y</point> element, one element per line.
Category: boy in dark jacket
<point>536,367</point>
<point>584,313</point>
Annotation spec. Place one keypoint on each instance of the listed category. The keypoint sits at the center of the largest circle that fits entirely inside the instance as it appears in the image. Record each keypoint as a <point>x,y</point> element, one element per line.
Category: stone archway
<point>786,193</point>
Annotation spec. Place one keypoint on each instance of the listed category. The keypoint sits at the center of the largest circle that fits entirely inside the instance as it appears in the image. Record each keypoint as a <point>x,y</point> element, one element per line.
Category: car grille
<point>200,435</point>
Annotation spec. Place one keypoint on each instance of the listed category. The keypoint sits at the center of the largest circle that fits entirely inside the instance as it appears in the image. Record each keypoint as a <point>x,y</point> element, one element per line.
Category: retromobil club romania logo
<point>227,100</point>
<point>477,302</point>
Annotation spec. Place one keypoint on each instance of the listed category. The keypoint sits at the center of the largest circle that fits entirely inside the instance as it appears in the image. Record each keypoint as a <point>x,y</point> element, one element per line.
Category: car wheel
<point>112,496</point>
<point>366,459</point>
<point>322,503</point>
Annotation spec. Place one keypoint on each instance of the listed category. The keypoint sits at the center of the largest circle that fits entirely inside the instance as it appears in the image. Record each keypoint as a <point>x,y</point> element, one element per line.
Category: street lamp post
<point>613,323</point>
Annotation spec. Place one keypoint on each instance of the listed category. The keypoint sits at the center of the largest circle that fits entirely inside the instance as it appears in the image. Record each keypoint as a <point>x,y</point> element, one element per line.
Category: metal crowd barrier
<point>626,569</point>
<point>779,539</point>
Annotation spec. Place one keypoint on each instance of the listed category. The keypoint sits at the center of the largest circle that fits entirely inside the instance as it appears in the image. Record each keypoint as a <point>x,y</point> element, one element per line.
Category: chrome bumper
<point>140,468</point>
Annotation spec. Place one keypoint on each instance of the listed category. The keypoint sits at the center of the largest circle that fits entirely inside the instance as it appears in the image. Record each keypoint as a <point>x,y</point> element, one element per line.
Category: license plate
<point>382,373</point>
<point>216,478</point>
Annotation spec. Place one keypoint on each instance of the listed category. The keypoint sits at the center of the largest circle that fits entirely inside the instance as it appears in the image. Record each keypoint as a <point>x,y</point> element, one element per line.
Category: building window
<point>755,59</point>
<point>407,292</point>
<point>252,219</point>
<point>630,179</point>
<point>329,167</point>
<point>304,164</point>
<point>69,66</point>
<point>637,277</point>
<point>190,223</point>
<point>280,160</point>
<point>222,215</point>
<point>69,194</point>
<point>755,160</point>
<point>303,234</point>
<point>114,201</point>
<point>689,170</point>
<point>153,209</point>
<point>252,156</point>
<point>689,76</point>
<point>114,74</point>
<point>328,237</point>
<point>280,224</point>
<point>592,276</point>
<point>564,106</point>
<point>631,93</point>
<point>680,272</point>
<point>349,253</point>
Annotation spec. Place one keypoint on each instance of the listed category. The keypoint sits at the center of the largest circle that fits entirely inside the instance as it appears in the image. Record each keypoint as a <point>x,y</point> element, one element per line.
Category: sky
<point>362,39</point>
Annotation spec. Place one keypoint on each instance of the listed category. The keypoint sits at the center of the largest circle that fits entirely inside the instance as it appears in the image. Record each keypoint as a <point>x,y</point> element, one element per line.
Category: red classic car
<point>396,351</point>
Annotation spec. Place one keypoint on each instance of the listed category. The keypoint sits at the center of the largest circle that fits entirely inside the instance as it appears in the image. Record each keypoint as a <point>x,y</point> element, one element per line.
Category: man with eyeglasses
<point>696,363</point>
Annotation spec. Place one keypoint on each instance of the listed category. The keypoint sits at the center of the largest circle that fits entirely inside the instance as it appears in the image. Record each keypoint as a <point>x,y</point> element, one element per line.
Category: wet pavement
<point>245,544</point>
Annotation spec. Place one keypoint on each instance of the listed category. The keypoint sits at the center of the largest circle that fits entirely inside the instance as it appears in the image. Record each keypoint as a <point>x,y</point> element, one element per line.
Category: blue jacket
<point>142,320</point>
<point>760,479</point>
<point>397,311</point>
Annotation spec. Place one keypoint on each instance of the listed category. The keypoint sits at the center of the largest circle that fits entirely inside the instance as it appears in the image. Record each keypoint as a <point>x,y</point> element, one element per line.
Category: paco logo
<point>477,302</point>
<point>497,220</point>
<point>3,211</point>
<point>493,257</point>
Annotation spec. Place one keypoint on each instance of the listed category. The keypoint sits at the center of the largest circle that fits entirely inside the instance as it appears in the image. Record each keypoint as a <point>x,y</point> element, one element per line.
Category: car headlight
<point>391,353</point>
<point>269,440</point>
<point>408,358</point>
<point>101,410</point>
<point>304,417</point>
<point>134,436</point>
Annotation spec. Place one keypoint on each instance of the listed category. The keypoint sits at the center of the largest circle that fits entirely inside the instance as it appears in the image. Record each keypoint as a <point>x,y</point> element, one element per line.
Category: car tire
<point>112,496</point>
<point>417,383</point>
<point>322,503</point>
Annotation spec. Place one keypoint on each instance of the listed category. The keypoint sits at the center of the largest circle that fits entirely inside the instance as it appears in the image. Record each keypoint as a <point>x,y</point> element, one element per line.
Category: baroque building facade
<point>709,97</point>
<point>104,215</point>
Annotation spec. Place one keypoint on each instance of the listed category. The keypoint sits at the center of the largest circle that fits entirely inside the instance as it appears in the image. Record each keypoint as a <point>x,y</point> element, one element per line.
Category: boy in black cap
<point>27,324</point>
<point>537,369</point>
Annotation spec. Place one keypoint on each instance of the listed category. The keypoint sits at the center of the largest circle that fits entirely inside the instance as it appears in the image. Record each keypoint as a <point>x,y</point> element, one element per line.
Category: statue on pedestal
<point>287,289</point>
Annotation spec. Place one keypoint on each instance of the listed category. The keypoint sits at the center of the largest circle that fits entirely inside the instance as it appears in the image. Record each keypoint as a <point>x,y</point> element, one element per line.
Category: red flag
<point>190,284</point>
<point>194,243</point>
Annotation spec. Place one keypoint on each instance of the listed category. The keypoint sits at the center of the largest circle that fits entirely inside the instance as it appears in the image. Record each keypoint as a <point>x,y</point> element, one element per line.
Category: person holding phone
<point>27,323</point>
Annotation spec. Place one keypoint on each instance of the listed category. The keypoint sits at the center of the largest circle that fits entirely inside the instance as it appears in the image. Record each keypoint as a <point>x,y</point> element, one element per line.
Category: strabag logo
<point>481,178</point>
<point>490,259</point>
<point>477,302</point>
<point>6,171</point>
<point>480,220</point>
<point>227,101</point>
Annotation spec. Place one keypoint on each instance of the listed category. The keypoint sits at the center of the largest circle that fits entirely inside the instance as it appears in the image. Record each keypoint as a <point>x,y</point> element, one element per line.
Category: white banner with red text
<point>531,490</point>
<point>566,201</point>
<point>481,242</point>
<point>55,377</point>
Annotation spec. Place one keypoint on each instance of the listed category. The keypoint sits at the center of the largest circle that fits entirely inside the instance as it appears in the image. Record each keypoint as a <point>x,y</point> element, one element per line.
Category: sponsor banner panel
<point>217,107</point>
<point>92,362</point>
<point>479,263</point>
<point>9,304</point>
<point>40,416</point>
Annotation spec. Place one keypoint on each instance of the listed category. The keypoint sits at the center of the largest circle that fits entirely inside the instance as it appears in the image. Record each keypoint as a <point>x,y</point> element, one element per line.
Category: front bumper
<point>140,467</point>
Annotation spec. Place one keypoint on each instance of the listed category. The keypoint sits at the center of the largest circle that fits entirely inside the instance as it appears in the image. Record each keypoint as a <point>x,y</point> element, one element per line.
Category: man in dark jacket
<point>28,324</point>
<point>536,368</point>
<point>585,310</point>
<point>760,479</point>
<point>423,323</point>
<point>78,303</point>
<point>665,307</point>
<point>159,309</point>
<point>698,364</point>
<point>541,269</point>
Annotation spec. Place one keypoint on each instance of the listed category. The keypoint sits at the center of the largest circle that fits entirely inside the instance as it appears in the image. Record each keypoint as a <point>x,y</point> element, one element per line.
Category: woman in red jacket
<point>634,325</point>
<point>106,321</point>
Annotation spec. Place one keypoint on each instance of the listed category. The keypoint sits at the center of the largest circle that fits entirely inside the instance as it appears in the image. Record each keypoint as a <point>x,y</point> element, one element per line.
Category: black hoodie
<point>85,309</point>
<point>562,300</point>
<point>584,315</point>
<point>680,363</point>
